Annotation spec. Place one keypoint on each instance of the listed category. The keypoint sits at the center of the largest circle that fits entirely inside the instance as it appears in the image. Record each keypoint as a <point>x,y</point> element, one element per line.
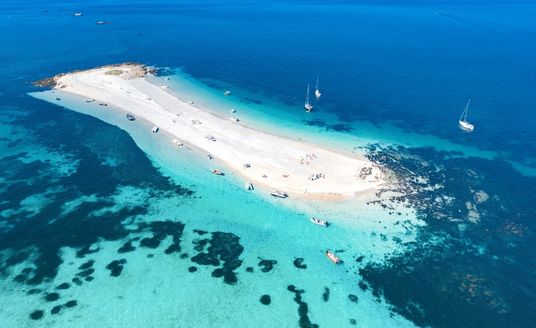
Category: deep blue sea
<point>102,227</point>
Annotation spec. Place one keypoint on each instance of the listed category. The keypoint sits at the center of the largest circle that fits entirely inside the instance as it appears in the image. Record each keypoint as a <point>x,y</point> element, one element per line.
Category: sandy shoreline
<point>297,168</point>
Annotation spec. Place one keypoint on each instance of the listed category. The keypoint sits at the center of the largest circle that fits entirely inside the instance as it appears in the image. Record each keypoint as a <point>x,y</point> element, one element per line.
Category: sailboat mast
<point>463,117</point>
<point>467,109</point>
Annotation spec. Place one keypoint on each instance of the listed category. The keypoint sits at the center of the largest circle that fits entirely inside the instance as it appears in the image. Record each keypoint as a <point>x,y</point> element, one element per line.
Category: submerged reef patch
<point>225,249</point>
<point>267,265</point>
<point>265,299</point>
<point>298,263</point>
<point>463,263</point>
<point>303,308</point>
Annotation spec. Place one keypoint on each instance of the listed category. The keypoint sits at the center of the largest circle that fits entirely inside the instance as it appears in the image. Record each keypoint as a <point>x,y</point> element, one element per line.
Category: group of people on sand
<point>307,158</point>
<point>317,176</point>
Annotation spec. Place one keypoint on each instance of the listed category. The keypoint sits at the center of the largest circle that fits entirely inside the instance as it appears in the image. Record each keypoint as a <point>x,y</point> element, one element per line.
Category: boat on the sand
<point>279,194</point>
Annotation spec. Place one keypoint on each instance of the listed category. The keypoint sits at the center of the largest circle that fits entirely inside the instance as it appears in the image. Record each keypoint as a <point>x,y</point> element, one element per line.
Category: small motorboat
<point>279,194</point>
<point>234,119</point>
<point>317,90</point>
<point>210,156</point>
<point>90,100</point>
<point>77,14</point>
<point>247,166</point>
<point>217,172</point>
<point>155,129</point>
<point>332,257</point>
<point>164,86</point>
<point>130,117</point>
<point>322,223</point>
<point>308,106</point>
<point>249,186</point>
<point>233,110</point>
<point>227,93</point>
<point>177,142</point>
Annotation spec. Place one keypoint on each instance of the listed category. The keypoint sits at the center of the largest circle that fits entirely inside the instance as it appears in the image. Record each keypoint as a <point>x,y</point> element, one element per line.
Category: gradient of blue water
<point>413,64</point>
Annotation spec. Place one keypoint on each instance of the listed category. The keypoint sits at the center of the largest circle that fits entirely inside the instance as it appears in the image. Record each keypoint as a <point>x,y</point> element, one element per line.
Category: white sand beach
<point>297,168</point>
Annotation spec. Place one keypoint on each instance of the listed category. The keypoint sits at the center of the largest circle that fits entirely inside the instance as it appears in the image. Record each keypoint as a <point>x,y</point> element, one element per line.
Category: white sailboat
<point>308,106</point>
<point>464,125</point>
<point>317,91</point>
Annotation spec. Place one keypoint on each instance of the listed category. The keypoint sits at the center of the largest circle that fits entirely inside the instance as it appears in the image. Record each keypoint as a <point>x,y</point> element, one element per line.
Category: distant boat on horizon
<point>308,106</point>
<point>464,124</point>
<point>317,90</point>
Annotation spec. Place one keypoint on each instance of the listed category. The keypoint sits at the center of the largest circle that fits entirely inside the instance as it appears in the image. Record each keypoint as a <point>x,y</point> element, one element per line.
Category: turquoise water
<point>103,222</point>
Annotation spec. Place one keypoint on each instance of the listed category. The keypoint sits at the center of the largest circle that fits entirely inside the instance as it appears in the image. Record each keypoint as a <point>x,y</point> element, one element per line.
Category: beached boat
<point>464,125</point>
<point>227,93</point>
<point>317,91</point>
<point>249,186</point>
<point>234,119</point>
<point>155,129</point>
<point>332,257</point>
<point>279,194</point>
<point>308,106</point>
<point>217,172</point>
<point>130,117</point>
<point>177,142</point>
<point>322,223</point>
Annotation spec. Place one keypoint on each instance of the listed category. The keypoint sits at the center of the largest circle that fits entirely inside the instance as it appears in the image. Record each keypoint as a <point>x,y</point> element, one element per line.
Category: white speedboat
<point>317,90</point>
<point>279,194</point>
<point>322,223</point>
<point>130,117</point>
<point>308,106</point>
<point>464,124</point>
<point>217,172</point>
<point>77,14</point>
<point>332,257</point>
<point>155,129</point>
